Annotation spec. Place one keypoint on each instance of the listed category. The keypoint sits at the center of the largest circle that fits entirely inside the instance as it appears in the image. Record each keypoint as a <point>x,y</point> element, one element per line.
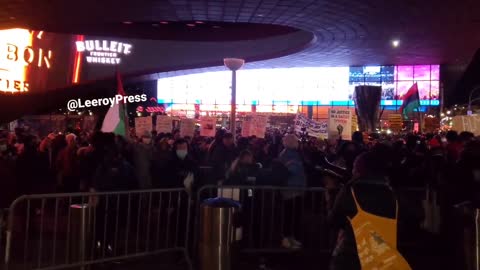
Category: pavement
<point>419,259</point>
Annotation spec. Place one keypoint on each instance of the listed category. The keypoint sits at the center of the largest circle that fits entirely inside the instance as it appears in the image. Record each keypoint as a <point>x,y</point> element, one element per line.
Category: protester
<point>454,146</point>
<point>291,159</point>
<point>67,178</point>
<point>222,156</point>
<point>243,170</point>
<point>368,192</point>
<point>107,162</point>
<point>161,156</point>
<point>181,169</point>
<point>142,161</point>
<point>114,173</point>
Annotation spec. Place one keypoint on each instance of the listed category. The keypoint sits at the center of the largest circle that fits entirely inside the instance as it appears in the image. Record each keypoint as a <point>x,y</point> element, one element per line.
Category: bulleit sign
<point>103,51</point>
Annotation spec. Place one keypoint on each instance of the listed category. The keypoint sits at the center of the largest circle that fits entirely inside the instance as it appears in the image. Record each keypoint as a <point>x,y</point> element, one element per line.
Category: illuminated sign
<point>103,51</point>
<point>19,55</point>
<point>155,109</point>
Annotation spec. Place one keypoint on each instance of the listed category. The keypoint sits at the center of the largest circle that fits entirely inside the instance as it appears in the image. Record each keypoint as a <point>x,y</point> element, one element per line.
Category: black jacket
<point>243,175</point>
<point>221,159</point>
<point>177,170</point>
<point>374,196</point>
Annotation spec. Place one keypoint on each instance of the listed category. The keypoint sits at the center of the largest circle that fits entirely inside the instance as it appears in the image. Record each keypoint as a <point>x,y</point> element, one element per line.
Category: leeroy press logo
<point>107,52</point>
<point>74,104</point>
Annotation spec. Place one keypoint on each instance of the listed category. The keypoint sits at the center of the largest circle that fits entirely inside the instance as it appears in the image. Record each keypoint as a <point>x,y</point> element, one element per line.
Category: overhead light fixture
<point>233,64</point>
<point>164,22</point>
<point>190,25</point>
<point>260,15</point>
<point>155,24</point>
<point>395,43</point>
<point>199,22</point>
<point>127,22</point>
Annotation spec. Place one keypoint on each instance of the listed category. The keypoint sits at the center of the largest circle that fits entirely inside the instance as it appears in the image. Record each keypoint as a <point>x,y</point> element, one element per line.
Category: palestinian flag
<point>115,120</point>
<point>411,101</point>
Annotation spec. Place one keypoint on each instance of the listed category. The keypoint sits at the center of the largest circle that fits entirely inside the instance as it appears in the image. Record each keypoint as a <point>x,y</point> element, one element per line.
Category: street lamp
<point>233,64</point>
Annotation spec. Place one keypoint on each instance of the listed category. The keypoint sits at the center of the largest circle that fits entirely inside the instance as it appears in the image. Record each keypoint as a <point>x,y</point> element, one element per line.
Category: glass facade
<point>289,90</point>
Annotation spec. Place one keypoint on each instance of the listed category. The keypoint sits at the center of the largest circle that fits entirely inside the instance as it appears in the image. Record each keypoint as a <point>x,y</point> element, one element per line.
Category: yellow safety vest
<point>376,239</point>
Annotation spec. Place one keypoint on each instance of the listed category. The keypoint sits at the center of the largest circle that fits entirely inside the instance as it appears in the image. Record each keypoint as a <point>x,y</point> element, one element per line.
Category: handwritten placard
<point>259,126</point>
<point>187,127</point>
<point>163,124</point>
<point>247,128</point>
<point>143,125</point>
<point>208,126</point>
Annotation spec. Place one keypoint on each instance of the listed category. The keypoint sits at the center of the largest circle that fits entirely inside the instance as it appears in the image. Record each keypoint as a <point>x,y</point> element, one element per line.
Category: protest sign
<point>313,128</point>
<point>143,125</point>
<point>354,121</point>
<point>208,126</point>
<point>340,124</point>
<point>163,124</point>
<point>259,126</point>
<point>256,126</point>
<point>247,128</point>
<point>187,127</point>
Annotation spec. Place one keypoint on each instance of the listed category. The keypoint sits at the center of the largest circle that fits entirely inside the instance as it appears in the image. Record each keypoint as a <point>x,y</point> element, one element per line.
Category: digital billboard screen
<point>301,86</point>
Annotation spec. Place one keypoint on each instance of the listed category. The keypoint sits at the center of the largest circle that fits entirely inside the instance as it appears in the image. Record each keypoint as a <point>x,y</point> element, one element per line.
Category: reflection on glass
<point>435,72</point>
<point>424,90</point>
<point>435,90</point>
<point>388,90</point>
<point>402,88</point>
<point>404,73</point>
<point>422,73</point>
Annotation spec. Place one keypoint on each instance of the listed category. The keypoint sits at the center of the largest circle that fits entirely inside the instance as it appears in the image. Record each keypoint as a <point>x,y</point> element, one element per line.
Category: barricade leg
<point>80,232</point>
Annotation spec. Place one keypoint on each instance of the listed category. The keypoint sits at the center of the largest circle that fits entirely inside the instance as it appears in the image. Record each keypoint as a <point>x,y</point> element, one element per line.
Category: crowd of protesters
<point>82,161</point>
<point>85,162</point>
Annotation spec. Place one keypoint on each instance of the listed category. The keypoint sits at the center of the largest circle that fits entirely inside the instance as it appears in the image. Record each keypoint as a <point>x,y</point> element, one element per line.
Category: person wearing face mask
<point>181,169</point>
<point>142,161</point>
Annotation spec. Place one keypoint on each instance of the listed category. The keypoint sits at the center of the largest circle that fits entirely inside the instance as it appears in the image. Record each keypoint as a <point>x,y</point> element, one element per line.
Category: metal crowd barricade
<point>269,214</point>
<point>57,231</point>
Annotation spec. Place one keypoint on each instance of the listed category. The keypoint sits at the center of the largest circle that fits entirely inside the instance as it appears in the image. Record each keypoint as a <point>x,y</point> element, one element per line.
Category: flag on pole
<point>411,101</point>
<point>115,120</point>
